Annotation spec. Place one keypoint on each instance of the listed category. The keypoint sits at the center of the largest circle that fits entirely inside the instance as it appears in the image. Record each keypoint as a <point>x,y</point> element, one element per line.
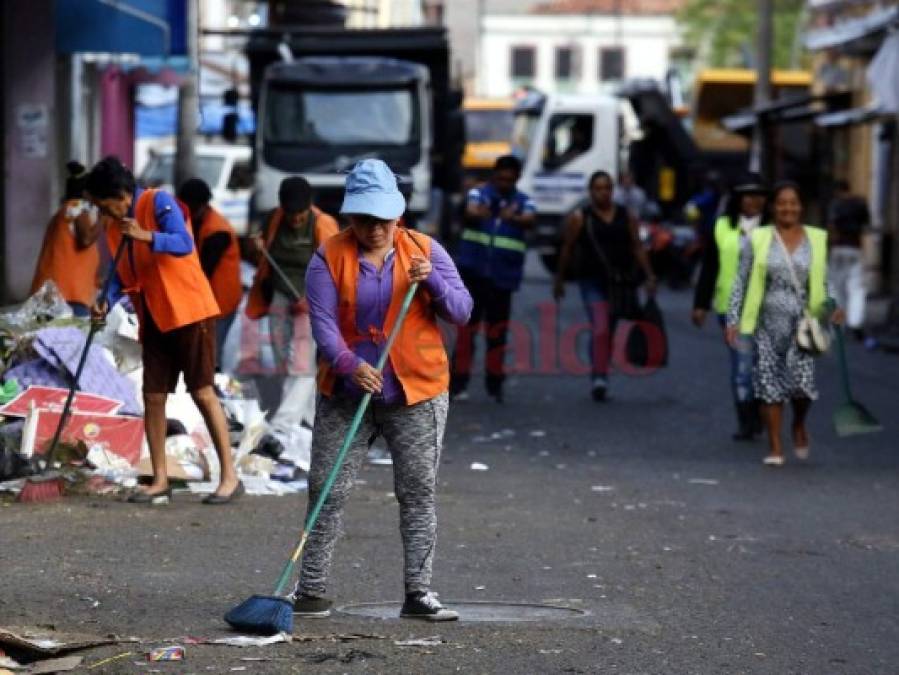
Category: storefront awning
<point>856,35</point>
<point>144,27</point>
<point>786,111</point>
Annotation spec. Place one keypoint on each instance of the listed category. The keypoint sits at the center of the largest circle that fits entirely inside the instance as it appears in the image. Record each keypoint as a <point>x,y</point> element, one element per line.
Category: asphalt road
<point>685,554</point>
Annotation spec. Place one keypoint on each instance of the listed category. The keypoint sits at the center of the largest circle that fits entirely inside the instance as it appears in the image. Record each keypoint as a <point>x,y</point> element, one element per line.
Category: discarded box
<point>173,653</point>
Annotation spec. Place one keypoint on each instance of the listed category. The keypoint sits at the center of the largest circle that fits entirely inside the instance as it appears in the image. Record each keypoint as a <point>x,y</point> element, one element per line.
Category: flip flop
<point>773,460</point>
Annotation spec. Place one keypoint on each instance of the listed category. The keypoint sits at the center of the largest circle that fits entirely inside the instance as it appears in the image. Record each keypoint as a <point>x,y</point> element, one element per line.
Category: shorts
<point>189,350</point>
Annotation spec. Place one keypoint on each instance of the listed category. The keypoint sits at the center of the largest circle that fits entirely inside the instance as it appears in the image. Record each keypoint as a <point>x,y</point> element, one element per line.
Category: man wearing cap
<point>720,265</point>
<point>294,231</point>
<point>355,285</point>
<point>219,255</point>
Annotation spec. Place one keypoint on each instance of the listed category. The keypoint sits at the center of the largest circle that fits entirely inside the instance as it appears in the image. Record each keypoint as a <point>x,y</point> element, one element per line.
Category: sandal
<point>774,460</point>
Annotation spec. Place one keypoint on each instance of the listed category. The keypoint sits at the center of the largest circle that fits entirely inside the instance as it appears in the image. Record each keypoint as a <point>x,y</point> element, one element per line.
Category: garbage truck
<point>328,97</point>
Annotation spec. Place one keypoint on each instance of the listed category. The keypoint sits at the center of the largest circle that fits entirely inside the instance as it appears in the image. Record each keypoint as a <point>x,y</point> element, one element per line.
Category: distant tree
<point>723,32</point>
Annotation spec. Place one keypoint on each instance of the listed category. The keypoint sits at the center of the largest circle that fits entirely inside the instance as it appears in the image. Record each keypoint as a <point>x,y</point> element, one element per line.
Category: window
<point>569,137</point>
<point>611,64</point>
<point>524,62</point>
<point>567,65</point>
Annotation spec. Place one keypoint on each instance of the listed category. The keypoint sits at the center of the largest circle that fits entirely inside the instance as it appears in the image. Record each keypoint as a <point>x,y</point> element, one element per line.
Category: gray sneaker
<point>424,605</point>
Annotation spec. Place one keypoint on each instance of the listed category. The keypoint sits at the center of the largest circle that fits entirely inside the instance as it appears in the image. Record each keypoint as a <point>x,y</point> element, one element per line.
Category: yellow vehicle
<point>488,134</point>
<point>720,92</point>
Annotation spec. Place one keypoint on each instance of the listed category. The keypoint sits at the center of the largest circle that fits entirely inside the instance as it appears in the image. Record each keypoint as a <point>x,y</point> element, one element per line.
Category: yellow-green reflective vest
<point>728,241</point>
<point>755,292</point>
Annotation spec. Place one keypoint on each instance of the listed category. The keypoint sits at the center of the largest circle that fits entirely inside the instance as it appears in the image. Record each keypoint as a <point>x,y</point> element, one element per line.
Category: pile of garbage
<point>103,448</point>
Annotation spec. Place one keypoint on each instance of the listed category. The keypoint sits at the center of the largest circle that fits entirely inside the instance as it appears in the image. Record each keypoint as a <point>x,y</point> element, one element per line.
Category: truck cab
<point>319,116</point>
<point>561,140</point>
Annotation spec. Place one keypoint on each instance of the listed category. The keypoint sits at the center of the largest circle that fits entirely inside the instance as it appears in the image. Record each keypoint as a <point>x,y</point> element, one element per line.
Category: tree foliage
<point>723,32</point>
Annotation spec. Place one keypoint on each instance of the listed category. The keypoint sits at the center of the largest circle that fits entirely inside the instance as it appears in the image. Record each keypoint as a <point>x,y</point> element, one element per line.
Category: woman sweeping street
<point>610,249</point>
<point>783,272</point>
<point>721,260</point>
<point>355,285</point>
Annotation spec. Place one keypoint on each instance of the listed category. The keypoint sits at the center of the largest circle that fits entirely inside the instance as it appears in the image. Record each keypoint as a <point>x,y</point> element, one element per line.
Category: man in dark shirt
<point>847,219</point>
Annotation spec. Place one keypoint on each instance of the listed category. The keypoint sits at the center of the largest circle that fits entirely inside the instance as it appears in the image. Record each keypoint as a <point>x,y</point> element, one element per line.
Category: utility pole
<point>188,101</point>
<point>759,160</point>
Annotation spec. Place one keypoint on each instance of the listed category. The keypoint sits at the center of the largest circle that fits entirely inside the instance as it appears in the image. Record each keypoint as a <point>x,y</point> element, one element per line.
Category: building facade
<point>572,53</point>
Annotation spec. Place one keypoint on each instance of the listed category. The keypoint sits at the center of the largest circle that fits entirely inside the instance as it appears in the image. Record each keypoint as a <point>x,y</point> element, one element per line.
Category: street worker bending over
<point>69,254</point>
<point>219,255</point>
<point>160,271</point>
<point>355,286</point>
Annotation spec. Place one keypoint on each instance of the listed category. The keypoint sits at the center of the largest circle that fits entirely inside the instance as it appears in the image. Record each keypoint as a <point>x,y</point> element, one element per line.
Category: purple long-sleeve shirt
<point>450,299</point>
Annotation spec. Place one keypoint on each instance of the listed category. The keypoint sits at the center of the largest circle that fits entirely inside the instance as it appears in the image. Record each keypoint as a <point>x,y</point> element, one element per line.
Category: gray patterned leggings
<point>414,436</point>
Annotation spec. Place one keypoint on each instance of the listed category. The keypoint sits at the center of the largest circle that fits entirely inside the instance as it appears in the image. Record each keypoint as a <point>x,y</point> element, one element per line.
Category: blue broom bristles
<point>263,614</point>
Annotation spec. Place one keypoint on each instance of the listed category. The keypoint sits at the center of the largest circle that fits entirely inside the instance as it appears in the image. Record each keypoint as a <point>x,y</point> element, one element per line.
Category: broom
<point>269,614</point>
<point>851,417</point>
<point>47,486</point>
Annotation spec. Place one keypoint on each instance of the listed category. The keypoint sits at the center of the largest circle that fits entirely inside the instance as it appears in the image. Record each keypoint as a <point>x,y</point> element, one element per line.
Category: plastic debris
<point>703,481</point>
<point>432,641</point>
<point>601,488</point>
<point>173,653</point>
<point>252,641</point>
<point>479,466</point>
<point>537,433</point>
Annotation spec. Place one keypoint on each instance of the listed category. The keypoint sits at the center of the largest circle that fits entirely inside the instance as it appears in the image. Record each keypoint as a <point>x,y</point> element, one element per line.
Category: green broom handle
<point>844,367</point>
<point>347,441</point>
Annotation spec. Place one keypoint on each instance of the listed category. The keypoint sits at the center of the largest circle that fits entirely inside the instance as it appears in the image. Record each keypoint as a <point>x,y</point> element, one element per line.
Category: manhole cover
<point>474,610</point>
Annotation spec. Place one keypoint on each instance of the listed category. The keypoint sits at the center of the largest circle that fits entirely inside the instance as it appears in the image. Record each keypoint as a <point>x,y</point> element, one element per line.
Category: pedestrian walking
<point>69,255</point>
<point>847,219</point>
<point>294,231</point>
<point>355,286</point>
<point>630,195</point>
<point>219,255</point>
<point>491,262</point>
<point>160,271</point>
<point>720,263</point>
<point>783,275</point>
<point>605,238</point>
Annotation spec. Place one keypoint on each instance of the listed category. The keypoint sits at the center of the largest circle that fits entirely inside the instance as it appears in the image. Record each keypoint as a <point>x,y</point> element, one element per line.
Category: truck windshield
<point>329,117</point>
<point>484,126</point>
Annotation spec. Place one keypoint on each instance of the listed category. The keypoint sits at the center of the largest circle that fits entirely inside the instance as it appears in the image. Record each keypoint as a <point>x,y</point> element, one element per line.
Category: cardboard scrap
<point>54,665</point>
<point>48,642</point>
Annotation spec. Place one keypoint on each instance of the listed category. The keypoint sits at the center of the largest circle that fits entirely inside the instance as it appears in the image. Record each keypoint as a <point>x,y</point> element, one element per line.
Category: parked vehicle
<point>488,135</point>
<point>225,168</point>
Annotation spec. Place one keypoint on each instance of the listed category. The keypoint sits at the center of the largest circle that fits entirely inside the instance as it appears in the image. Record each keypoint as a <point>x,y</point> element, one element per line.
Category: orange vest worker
<point>325,228</point>
<point>173,288</point>
<point>418,356</point>
<point>72,268</point>
<point>225,280</point>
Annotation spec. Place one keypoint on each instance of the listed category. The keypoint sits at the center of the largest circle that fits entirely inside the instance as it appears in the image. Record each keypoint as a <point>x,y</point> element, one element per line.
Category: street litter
<point>703,481</point>
<point>50,643</point>
<point>432,641</point>
<point>538,433</point>
<point>111,659</point>
<point>601,488</point>
<point>173,653</point>
<point>252,641</point>
<point>478,466</point>
<point>48,666</point>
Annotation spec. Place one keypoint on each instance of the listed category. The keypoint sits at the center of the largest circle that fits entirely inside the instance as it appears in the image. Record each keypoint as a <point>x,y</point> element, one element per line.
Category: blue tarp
<point>145,27</point>
<point>157,121</point>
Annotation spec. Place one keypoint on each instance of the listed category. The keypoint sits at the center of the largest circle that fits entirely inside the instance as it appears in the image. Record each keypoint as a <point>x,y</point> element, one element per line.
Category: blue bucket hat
<point>372,190</point>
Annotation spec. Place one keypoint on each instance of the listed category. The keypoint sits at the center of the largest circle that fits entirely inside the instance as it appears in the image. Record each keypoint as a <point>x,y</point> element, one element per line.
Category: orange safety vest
<point>418,356</point>
<point>225,280</point>
<point>173,288</point>
<point>325,228</point>
<point>73,269</point>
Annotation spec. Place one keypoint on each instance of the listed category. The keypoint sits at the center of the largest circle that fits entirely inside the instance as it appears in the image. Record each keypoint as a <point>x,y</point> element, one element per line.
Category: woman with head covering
<point>745,207</point>
<point>355,286</point>
<point>69,255</point>
<point>782,275</point>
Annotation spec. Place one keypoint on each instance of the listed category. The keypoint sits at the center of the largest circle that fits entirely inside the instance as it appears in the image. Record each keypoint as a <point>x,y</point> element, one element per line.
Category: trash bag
<point>646,345</point>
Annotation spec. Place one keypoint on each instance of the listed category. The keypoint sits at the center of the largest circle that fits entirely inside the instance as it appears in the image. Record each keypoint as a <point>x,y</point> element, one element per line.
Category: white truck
<point>562,139</point>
